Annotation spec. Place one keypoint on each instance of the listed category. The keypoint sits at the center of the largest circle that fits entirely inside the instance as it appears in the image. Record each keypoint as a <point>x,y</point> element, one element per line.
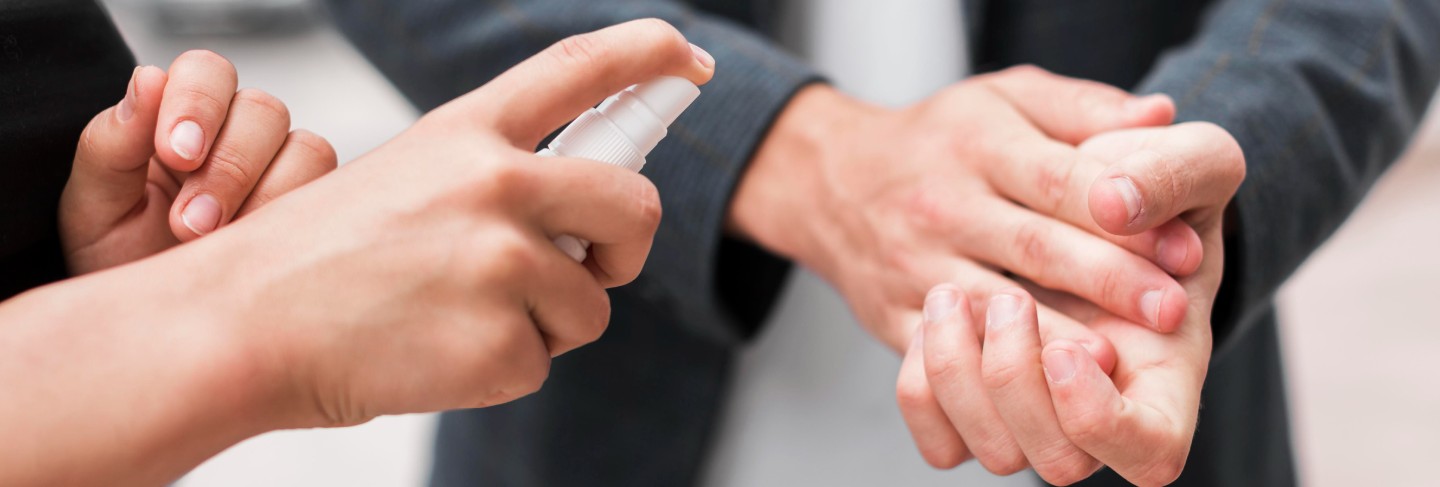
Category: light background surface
<point>1360,321</point>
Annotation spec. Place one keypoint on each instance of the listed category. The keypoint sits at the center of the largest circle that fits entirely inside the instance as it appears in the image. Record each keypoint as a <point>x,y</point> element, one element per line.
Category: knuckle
<point>947,456</point>
<point>531,377</point>
<point>521,354</point>
<point>272,107</point>
<point>943,367</point>
<point>998,375</point>
<point>1068,467</point>
<point>1001,457</point>
<point>207,60</point>
<point>597,321</point>
<point>661,33</point>
<point>88,147</point>
<point>518,257</point>
<point>1111,281</point>
<point>932,211</point>
<point>319,150</point>
<point>1022,72</point>
<point>581,50</point>
<point>504,182</point>
<point>1163,471</point>
<point>200,102</point>
<point>231,167</point>
<point>1088,425</point>
<point>1230,155</point>
<point>912,393</point>
<point>1054,183</point>
<point>648,209</point>
<point>1032,238</point>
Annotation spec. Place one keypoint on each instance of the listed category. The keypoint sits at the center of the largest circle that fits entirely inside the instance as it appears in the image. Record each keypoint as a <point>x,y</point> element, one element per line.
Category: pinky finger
<point>303,158</point>
<point>934,434</point>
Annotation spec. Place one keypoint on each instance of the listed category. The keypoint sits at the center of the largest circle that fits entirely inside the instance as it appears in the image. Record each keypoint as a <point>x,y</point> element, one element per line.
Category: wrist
<point>789,190</point>
<point>213,323</point>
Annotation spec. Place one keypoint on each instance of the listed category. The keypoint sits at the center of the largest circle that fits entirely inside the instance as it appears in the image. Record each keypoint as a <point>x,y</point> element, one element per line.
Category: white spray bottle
<point>621,132</point>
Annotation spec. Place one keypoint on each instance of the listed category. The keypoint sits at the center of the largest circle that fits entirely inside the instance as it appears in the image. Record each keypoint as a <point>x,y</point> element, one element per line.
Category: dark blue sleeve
<point>1323,95</point>
<point>435,50</point>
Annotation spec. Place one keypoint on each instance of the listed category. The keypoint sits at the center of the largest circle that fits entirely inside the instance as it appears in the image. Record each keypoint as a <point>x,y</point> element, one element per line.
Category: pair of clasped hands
<point>422,276</point>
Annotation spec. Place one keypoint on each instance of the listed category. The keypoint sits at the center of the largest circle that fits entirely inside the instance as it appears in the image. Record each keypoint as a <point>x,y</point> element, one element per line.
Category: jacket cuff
<point>721,287</point>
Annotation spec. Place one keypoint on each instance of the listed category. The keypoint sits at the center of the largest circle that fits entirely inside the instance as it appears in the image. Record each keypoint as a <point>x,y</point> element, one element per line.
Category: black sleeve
<point>1323,95</point>
<point>61,62</point>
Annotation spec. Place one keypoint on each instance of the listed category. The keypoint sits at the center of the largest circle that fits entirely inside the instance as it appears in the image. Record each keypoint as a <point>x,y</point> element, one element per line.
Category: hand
<point>420,277</point>
<point>423,276</point>
<point>884,204</point>
<point>180,156</point>
<point>1059,407</point>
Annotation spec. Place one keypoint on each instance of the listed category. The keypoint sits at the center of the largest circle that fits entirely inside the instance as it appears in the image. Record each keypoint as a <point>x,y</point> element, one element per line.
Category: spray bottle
<point>621,132</point>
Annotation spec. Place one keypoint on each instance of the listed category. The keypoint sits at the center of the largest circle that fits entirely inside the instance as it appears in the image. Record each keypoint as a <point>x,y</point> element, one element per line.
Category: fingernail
<point>1150,305</point>
<point>1171,252</point>
<point>940,304</point>
<point>202,214</point>
<point>187,140</point>
<point>705,58</point>
<point>1059,365</point>
<point>126,110</point>
<point>1130,194</point>
<point>1002,312</point>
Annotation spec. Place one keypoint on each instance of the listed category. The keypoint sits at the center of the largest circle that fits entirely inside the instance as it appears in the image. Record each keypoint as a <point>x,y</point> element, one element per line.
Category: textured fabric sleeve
<point>1323,95</point>
<point>435,50</point>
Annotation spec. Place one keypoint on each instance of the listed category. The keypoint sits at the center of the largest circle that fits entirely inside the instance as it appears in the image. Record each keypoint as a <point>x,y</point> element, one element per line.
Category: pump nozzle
<point>667,96</point>
<point>622,130</point>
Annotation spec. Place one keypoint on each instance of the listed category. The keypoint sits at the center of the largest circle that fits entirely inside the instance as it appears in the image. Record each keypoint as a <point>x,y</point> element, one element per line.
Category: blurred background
<point>1359,324</point>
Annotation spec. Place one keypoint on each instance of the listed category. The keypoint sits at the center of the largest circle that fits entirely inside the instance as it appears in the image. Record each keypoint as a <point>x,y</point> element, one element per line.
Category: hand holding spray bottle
<point>621,132</point>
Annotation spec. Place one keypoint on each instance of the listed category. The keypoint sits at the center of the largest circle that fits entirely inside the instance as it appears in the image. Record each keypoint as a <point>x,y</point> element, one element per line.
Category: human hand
<point>981,177</point>
<point>423,276</point>
<point>1061,413</point>
<point>181,155</point>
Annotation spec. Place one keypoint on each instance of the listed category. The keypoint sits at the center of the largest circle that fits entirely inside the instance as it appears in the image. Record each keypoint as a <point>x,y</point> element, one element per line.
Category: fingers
<point>1145,445</point>
<point>1059,256</point>
<point>539,95</point>
<point>1071,110</point>
<point>936,438</point>
<point>980,283</point>
<point>568,304</point>
<point>196,100</point>
<point>1016,385</point>
<point>303,158</point>
<point>952,367</point>
<point>1179,169</point>
<point>108,177</point>
<point>256,124</point>
<point>617,211</point>
<point>1056,180</point>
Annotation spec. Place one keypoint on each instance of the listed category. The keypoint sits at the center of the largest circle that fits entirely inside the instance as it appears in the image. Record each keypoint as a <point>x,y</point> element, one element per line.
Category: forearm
<point>1322,96</point>
<point>121,378</point>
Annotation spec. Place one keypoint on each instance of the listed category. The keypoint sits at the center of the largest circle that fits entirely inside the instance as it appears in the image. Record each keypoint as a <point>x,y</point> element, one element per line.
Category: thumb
<point>550,89</point>
<point>1071,110</point>
<point>111,161</point>
<point>1174,171</point>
